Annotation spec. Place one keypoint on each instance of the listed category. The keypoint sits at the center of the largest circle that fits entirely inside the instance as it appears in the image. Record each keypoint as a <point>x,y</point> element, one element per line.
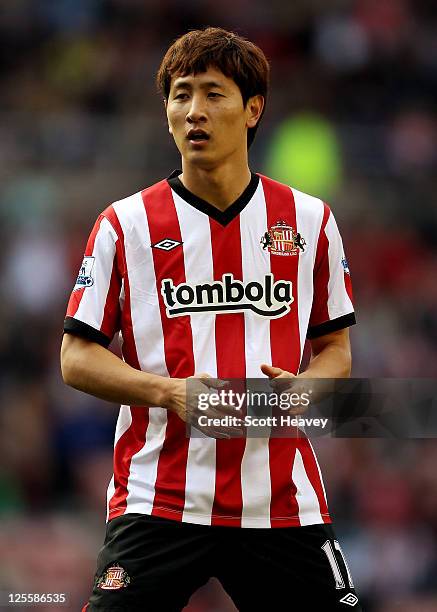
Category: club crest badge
<point>282,239</point>
<point>114,577</point>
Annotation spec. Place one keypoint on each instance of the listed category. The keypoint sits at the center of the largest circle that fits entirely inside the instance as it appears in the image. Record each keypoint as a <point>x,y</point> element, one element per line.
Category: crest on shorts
<point>114,577</point>
<point>85,278</point>
<point>283,239</point>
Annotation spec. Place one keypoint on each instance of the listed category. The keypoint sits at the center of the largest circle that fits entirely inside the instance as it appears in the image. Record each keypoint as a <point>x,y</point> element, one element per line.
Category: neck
<point>219,186</point>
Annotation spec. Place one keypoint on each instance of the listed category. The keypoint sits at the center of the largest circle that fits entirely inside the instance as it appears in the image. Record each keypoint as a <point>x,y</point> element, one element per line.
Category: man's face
<point>207,118</point>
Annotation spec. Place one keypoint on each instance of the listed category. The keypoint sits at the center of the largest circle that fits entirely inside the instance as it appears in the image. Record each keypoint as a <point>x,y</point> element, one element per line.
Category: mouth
<point>197,136</point>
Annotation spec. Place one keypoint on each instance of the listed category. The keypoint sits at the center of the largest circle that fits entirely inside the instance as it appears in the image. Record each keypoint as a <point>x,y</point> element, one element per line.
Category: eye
<point>181,96</point>
<point>213,94</point>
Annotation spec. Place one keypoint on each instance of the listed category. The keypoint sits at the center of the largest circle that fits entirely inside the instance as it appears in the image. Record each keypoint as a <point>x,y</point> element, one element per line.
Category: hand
<point>273,372</point>
<point>190,412</point>
<point>285,382</point>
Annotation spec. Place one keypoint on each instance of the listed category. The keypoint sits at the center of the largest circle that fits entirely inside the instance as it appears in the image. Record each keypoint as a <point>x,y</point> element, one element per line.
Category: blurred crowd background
<point>351,118</point>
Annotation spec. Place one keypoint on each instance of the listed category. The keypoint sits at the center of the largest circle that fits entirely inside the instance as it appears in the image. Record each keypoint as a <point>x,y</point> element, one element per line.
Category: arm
<point>91,368</point>
<point>330,358</point>
<point>87,365</point>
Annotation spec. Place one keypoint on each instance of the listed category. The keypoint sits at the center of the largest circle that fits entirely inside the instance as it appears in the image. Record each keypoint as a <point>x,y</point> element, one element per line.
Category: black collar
<point>222,217</point>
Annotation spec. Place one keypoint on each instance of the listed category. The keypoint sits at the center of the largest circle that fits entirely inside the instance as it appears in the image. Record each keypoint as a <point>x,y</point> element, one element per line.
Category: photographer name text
<point>254,421</point>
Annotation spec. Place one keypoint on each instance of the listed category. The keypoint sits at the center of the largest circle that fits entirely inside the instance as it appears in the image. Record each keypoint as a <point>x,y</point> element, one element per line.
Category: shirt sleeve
<point>332,307</point>
<point>93,310</point>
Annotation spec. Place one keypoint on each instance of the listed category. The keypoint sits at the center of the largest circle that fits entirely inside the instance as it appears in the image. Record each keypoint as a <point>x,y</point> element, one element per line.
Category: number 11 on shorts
<point>328,550</point>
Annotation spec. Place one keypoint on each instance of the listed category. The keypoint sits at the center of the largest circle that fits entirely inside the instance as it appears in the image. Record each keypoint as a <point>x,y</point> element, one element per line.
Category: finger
<point>213,411</point>
<point>227,414</point>
<point>270,371</point>
<point>225,409</point>
<point>221,432</point>
<point>209,381</point>
<point>215,419</point>
<point>211,433</point>
<point>215,383</point>
<point>212,401</point>
<point>282,384</point>
<point>226,432</point>
<point>217,434</point>
<point>218,412</point>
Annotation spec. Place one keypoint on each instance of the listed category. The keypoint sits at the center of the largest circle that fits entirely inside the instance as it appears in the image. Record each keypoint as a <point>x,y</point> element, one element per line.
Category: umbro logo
<point>167,244</point>
<point>350,599</point>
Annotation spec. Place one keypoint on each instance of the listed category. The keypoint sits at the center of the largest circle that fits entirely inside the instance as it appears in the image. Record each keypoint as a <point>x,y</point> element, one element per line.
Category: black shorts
<point>153,564</point>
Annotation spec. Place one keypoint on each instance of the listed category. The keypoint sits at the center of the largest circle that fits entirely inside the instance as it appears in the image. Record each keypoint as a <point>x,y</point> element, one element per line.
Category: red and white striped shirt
<point>166,236</point>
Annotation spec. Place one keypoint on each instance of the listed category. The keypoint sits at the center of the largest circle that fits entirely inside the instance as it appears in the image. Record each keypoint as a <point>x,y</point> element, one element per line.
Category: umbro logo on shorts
<point>350,600</point>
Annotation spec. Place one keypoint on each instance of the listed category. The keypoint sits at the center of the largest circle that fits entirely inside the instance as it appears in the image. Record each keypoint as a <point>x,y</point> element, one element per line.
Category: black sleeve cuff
<point>79,328</point>
<point>331,326</point>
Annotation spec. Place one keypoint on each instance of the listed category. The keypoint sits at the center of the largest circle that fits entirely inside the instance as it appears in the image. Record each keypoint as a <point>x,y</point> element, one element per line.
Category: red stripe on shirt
<point>129,347</point>
<point>285,349</point>
<point>128,445</point>
<point>348,286</point>
<point>76,296</point>
<point>319,311</point>
<point>284,331</point>
<point>312,471</point>
<point>111,315</point>
<point>134,437</point>
<point>319,314</point>
<point>178,347</point>
<point>231,363</point>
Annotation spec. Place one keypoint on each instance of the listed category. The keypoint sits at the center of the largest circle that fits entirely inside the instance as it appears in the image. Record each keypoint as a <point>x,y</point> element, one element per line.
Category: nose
<point>196,112</point>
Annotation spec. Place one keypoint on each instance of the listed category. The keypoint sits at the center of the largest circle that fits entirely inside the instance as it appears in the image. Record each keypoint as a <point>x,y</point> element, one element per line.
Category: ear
<point>168,123</point>
<point>254,109</point>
